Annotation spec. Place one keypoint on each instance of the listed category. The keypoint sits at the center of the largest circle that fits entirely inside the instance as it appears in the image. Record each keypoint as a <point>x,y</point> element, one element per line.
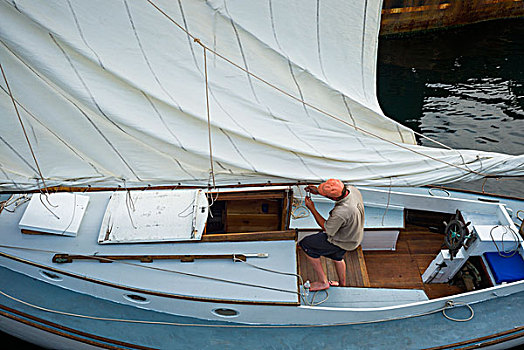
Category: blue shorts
<point>317,245</point>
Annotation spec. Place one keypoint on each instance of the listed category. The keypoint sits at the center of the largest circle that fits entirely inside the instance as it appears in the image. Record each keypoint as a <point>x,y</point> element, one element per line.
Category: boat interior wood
<point>238,212</point>
<point>250,236</point>
<point>356,272</point>
<point>416,247</point>
<point>402,268</point>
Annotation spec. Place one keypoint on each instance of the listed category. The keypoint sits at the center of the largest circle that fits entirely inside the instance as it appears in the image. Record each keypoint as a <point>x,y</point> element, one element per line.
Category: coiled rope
<point>453,304</point>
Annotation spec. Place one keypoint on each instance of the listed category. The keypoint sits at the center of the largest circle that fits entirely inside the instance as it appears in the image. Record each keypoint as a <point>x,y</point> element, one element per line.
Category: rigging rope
<point>501,251</point>
<point>198,41</point>
<point>23,127</point>
<point>208,117</point>
<point>299,209</point>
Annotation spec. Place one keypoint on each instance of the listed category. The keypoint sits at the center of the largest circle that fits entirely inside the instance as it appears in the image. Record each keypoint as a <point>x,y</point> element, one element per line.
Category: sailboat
<point>153,163</point>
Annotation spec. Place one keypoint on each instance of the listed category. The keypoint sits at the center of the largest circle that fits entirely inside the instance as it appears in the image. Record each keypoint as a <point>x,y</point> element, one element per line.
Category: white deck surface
<point>368,297</point>
<point>282,257</point>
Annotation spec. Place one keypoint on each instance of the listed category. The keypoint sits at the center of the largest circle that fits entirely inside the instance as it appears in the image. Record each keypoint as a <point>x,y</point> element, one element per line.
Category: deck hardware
<point>225,312</point>
<point>439,189</point>
<point>50,275</point>
<point>66,258</point>
<point>456,233</point>
<point>450,304</point>
<point>136,298</point>
<point>488,200</point>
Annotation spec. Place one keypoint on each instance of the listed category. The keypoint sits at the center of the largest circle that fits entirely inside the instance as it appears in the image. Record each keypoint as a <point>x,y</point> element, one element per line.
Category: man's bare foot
<point>334,283</point>
<point>316,286</point>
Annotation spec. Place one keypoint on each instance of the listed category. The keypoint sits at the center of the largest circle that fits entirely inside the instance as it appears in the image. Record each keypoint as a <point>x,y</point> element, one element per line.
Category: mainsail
<point>138,92</point>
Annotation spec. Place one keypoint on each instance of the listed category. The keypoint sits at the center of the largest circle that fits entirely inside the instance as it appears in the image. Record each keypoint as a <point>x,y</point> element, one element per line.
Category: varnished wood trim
<point>409,9</point>
<point>66,258</point>
<point>148,292</point>
<point>60,330</point>
<point>235,196</point>
<point>250,236</point>
<point>32,232</point>
<point>363,268</point>
<point>154,188</point>
<point>172,187</point>
<point>513,334</point>
<point>493,342</point>
<point>286,210</point>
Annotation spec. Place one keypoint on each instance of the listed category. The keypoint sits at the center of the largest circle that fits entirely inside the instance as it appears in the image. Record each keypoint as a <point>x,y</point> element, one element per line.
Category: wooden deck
<point>356,273</point>
<point>402,268</point>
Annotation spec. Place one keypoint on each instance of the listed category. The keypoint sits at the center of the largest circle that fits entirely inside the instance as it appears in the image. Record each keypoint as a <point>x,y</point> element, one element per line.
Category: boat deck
<point>402,268</point>
<point>356,272</point>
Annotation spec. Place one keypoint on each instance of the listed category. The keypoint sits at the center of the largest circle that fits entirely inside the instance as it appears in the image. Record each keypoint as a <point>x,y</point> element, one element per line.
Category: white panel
<point>57,213</point>
<point>380,240</point>
<point>153,216</point>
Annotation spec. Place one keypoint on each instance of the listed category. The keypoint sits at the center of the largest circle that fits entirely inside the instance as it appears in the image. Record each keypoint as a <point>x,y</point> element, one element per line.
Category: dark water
<point>463,87</point>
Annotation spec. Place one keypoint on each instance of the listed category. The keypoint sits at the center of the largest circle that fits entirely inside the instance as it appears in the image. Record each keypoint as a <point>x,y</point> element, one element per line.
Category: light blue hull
<point>61,331</point>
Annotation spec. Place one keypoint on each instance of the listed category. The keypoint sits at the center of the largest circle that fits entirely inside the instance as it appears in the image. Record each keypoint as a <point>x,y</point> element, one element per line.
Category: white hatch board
<point>55,213</point>
<point>154,216</point>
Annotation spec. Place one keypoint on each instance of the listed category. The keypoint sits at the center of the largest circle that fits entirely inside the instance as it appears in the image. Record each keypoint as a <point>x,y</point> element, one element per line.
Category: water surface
<point>463,87</point>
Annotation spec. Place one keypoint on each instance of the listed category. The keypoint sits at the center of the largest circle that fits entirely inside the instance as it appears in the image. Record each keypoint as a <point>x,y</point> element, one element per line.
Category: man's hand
<point>318,218</point>
<point>309,204</point>
<point>312,189</point>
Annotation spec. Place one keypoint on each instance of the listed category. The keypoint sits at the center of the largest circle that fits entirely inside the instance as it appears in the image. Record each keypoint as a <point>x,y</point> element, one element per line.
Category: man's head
<point>333,189</point>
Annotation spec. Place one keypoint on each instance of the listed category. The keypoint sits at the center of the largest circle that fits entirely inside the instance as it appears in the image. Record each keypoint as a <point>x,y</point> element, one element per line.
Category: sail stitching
<point>318,41</point>
<point>92,122</point>
<point>93,100</point>
<point>55,135</point>
<point>22,125</point>
<point>82,34</point>
<point>209,121</point>
<point>467,169</point>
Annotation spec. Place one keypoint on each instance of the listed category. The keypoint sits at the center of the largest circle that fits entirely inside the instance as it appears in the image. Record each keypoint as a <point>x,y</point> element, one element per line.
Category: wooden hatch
<point>249,215</point>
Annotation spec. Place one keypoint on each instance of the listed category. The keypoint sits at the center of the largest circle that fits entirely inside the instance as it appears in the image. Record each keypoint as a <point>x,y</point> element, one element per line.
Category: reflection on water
<point>463,87</point>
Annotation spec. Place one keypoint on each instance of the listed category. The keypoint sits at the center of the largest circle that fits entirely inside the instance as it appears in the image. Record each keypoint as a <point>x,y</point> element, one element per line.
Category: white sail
<point>114,92</point>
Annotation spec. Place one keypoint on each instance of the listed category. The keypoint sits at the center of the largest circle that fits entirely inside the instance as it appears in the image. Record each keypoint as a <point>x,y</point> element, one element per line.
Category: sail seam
<point>466,169</point>
<point>22,125</point>
<point>55,135</point>
<point>241,49</point>
<point>18,154</point>
<point>141,47</point>
<point>238,151</point>
<point>318,41</point>
<point>290,64</point>
<point>96,104</point>
<point>69,99</point>
<point>77,23</point>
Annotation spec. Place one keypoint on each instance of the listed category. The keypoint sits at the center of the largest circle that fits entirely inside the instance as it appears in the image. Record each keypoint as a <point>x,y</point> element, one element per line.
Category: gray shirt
<point>345,225</point>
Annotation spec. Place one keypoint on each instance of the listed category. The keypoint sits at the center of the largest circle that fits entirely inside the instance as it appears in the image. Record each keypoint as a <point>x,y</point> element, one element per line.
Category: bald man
<point>341,232</point>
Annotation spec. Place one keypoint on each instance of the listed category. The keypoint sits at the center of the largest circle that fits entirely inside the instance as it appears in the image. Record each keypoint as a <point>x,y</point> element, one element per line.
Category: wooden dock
<point>406,16</point>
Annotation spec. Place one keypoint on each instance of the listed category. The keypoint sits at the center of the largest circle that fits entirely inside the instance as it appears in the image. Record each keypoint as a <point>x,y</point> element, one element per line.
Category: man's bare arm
<point>318,218</point>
